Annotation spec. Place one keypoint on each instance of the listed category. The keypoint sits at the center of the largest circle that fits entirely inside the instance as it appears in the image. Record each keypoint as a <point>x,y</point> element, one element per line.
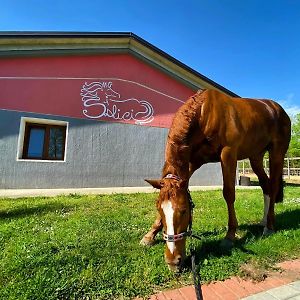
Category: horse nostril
<point>176,262</point>
<point>175,265</point>
<point>179,261</point>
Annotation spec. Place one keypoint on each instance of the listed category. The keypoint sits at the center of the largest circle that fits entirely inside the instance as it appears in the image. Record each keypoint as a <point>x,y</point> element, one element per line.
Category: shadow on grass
<point>287,220</point>
<point>292,184</point>
<point>23,212</point>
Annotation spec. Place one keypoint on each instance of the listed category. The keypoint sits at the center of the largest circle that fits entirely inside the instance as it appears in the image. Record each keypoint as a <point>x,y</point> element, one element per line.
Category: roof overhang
<point>71,43</point>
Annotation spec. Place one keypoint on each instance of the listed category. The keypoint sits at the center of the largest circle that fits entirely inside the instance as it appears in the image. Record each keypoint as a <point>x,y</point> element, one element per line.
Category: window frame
<point>23,143</point>
<point>47,127</point>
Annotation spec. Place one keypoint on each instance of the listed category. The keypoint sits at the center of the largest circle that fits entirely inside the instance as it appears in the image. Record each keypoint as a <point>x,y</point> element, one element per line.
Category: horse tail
<point>279,196</point>
<point>278,150</point>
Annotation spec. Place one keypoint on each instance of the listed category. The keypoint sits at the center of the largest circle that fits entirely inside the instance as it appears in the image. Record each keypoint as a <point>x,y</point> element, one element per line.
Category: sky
<point>251,47</point>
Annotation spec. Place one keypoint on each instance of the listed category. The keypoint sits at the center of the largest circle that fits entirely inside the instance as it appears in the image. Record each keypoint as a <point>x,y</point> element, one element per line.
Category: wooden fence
<point>291,167</point>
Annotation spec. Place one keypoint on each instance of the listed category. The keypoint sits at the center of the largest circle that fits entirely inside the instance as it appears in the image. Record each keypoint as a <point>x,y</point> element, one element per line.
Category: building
<point>89,109</point>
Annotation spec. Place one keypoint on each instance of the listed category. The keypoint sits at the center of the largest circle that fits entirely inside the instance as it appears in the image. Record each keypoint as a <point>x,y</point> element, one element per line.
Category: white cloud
<point>289,105</point>
<point>292,110</point>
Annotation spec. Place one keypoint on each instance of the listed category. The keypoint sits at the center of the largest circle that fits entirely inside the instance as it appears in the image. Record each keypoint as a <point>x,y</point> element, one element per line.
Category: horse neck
<point>178,146</point>
<point>177,161</point>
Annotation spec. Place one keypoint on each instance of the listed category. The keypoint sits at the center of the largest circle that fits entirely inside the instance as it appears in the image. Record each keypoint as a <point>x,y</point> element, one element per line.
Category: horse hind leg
<point>276,184</point>
<point>264,182</point>
<point>149,237</point>
<point>278,149</point>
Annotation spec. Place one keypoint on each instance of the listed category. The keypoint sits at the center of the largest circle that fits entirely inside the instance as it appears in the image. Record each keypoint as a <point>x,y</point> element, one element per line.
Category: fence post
<point>288,168</point>
<point>243,167</point>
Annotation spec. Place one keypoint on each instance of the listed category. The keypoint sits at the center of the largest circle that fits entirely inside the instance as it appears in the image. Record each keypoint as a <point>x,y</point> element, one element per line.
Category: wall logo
<point>100,100</point>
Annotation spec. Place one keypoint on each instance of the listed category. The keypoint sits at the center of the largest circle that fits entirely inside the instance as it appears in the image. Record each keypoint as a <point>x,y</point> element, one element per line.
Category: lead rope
<point>196,275</point>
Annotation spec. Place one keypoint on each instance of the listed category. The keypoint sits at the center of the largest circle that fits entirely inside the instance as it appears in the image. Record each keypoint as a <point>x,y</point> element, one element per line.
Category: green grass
<point>87,247</point>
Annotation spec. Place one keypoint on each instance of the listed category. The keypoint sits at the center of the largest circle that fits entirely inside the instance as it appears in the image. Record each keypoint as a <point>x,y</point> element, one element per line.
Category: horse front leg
<point>149,238</point>
<point>228,163</point>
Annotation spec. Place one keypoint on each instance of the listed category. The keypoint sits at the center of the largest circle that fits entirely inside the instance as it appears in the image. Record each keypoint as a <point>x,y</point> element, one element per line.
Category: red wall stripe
<point>116,88</point>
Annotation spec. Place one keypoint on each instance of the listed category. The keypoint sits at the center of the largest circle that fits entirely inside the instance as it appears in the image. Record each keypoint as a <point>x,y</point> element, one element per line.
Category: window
<point>44,141</point>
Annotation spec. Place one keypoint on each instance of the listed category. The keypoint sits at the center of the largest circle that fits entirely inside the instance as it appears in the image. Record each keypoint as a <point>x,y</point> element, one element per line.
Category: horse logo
<point>100,100</point>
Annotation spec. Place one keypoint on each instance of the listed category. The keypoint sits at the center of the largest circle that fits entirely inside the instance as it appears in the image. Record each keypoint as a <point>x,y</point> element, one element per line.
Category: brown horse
<point>213,127</point>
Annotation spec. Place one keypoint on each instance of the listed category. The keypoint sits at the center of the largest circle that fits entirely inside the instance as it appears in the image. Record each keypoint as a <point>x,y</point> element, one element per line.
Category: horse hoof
<point>226,244</point>
<point>147,242</point>
<point>267,232</point>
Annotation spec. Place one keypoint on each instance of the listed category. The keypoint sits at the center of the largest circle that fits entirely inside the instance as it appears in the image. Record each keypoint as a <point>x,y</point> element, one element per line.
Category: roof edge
<point>108,35</point>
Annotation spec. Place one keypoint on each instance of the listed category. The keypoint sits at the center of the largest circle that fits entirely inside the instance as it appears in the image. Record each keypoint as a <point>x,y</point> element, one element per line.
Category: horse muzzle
<point>175,264</point>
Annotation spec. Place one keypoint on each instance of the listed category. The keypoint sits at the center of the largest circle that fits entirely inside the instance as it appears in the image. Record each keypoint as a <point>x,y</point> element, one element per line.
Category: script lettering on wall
<point>100,101</point>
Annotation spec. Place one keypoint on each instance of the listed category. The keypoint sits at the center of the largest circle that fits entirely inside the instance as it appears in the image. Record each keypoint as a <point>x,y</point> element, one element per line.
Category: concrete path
<point>18,193</point>
<point>277,286</point>
<point>289,291</point>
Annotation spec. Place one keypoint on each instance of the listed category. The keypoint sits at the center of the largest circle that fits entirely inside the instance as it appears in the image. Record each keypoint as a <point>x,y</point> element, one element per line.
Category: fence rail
<point>291,167</point>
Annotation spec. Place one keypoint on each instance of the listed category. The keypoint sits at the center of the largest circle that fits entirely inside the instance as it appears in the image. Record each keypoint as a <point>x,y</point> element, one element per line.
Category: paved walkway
<point>277,286</point>
<point>17,193</point>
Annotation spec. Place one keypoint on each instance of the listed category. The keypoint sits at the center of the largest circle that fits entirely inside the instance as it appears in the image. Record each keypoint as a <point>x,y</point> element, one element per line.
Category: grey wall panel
<point>99,154</point>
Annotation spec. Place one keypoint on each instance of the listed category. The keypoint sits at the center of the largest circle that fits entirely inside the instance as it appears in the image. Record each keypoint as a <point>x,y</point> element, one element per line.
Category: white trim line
<point>91,78</point>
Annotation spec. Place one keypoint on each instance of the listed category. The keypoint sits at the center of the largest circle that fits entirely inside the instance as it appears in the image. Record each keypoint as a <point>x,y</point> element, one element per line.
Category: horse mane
<point>184,121</point>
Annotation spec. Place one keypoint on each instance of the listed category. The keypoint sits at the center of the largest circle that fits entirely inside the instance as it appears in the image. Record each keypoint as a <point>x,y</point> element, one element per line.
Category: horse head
<point>98,92</point>
<point>175,208</point>
<point>110,94</point>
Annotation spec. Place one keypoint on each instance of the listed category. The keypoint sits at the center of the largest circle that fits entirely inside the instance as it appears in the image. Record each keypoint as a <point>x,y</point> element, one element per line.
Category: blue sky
<point>251,47</point>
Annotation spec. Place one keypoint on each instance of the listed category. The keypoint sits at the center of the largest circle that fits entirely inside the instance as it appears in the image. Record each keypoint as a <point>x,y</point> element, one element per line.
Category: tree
<point>294,149</point>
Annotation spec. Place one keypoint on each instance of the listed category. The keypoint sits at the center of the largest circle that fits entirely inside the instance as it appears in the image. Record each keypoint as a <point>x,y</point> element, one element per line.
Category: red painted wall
<point>117,88</point>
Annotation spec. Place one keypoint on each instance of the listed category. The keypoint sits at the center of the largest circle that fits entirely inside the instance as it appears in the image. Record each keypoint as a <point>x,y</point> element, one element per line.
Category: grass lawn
<point>87,247</point>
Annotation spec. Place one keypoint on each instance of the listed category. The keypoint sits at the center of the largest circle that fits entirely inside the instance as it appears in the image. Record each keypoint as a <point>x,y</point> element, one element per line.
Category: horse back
<point>243,123</point>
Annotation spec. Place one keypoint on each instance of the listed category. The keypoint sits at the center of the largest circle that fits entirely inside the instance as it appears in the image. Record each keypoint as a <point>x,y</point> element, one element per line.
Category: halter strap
<point>172,176</point>
<point>176,237</point>
<point>182,235</point>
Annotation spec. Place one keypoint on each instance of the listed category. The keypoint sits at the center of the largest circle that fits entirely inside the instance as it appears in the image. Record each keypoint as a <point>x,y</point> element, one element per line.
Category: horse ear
<point>156,183</point>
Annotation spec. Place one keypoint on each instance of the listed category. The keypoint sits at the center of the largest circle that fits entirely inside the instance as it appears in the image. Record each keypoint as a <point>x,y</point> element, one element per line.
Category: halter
<point>180,236</point>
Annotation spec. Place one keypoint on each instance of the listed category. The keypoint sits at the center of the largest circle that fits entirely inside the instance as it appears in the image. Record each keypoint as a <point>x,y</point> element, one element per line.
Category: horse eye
<point>182,211</point>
